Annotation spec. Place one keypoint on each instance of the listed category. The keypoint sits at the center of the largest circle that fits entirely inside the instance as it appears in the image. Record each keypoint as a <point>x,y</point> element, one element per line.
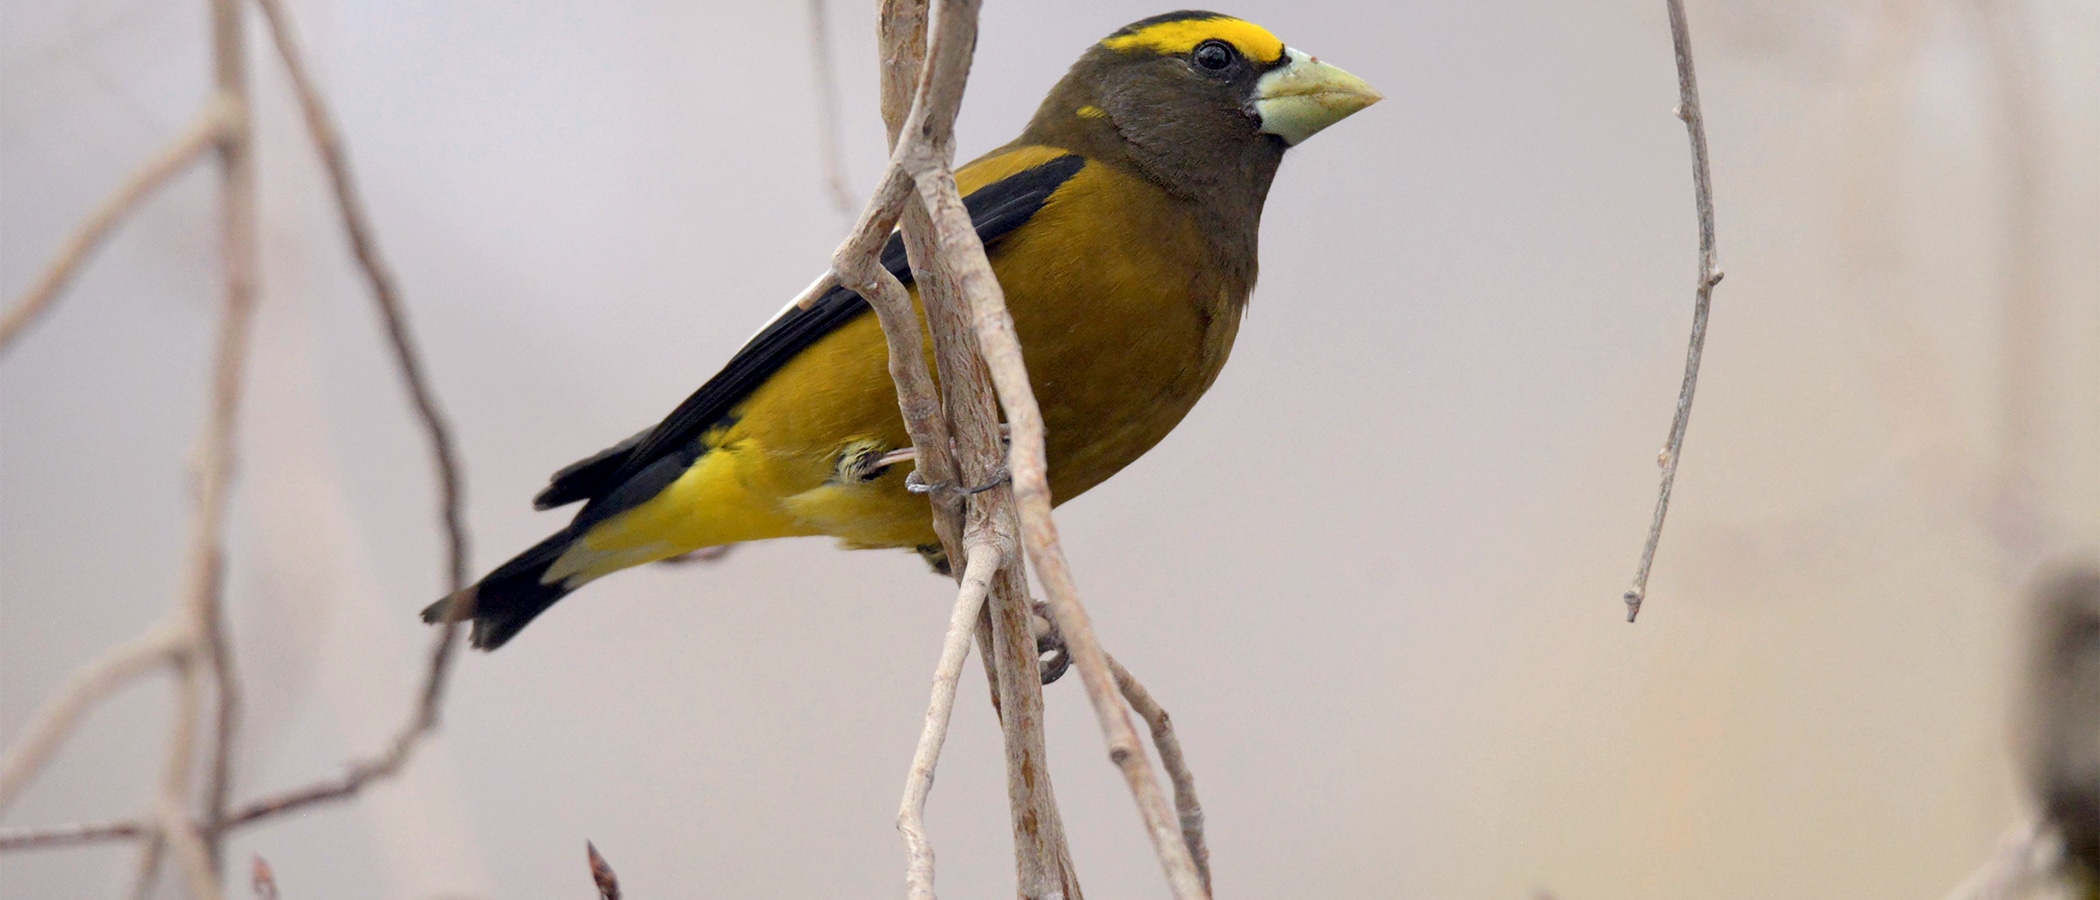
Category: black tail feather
<point>506,600</point>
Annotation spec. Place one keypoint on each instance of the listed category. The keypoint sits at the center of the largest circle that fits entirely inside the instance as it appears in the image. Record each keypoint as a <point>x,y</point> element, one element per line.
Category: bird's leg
<point>936,557</point>
<point>1049,644</point>
<point>862,461</point>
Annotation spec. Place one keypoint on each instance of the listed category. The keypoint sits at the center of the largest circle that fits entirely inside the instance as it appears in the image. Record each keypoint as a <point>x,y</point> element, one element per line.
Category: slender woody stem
<point>176,158</point>
<point>978,569</point>
<point>1702,304</point>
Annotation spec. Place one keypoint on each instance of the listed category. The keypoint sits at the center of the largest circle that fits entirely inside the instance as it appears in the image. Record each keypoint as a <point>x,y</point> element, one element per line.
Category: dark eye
<point>1215,56</point>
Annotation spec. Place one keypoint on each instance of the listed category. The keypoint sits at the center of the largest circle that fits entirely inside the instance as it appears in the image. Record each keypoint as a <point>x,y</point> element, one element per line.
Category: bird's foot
<point>1054,656</point>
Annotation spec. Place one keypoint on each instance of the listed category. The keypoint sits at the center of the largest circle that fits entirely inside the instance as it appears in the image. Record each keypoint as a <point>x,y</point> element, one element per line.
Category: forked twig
<point>195,643</point>
<point>328,143</point>
<point>1709,275</point>
<point>974,341</point>
<point>1164,740</point>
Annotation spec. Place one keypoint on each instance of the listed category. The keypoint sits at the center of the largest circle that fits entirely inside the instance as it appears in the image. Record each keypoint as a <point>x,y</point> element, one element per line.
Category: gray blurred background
<point>1375,576</point>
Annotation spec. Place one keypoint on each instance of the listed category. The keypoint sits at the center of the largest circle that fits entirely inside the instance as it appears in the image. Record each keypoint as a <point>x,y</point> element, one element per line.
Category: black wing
<point>662,452</point>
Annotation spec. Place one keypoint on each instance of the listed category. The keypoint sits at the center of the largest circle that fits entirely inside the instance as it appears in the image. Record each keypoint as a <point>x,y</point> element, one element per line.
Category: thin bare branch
<point>1164,740</point>
<point>328,142</point>
<point>1027,463</point>
<point>58,716</point>
<point>940,263</point>
<point>363,772</point>
<point>356,225</point>
<point>172,160</point>
<point>69,835</point>
<point>176,831</point>
<point>1709,275</point>
<point>977,572</point>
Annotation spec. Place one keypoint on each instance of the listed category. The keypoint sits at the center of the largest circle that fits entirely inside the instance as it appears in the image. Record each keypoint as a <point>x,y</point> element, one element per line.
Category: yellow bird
<point>1121,224</point>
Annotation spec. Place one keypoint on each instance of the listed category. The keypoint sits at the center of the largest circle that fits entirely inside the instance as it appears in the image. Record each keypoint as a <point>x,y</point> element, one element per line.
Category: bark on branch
<point>1702,302</point>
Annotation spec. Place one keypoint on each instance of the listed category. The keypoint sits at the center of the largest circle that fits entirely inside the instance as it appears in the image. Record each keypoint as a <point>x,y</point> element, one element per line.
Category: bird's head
<point>1196,97</point>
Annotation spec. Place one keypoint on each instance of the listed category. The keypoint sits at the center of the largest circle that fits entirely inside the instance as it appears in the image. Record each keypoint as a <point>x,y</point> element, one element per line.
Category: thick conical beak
<point>1306,95</point>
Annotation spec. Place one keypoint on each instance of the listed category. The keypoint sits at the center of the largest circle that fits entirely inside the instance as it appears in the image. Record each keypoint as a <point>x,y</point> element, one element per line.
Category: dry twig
<point>975,348</point>
<point>194,645</point>
<point>174,159</point>
<point>926,151</point>
<point>962,623</point>
<point>1709,275</point>
<point>1164,740</point>
<point>56,719</point>
<point>67,835</point>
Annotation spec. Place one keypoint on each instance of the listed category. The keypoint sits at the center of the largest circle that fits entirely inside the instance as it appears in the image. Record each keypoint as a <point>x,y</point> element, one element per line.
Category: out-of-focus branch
<point>328,143</point>
<point>69,835</point>
<point>357,228</point>
<point>56,719</point>
<point>172,160</point>
<point>1164,740</point>
<point>195,645</point>
<point>1702,304</point>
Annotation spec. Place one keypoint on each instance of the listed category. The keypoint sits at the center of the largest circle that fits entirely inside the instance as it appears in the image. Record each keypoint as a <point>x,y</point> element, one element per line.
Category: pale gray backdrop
<point>1375,575</point>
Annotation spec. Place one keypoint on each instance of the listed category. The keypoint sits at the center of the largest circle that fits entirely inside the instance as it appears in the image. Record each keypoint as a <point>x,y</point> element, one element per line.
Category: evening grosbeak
<point>1122,227</point>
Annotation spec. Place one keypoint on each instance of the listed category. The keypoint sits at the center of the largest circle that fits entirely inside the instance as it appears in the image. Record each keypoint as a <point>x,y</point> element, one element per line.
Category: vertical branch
<point>977,572</point>
<point>1028,465</point>
<point>194,643</point>
<point>943,261</point>
<point>357,229</point>
<point>1702,304</point>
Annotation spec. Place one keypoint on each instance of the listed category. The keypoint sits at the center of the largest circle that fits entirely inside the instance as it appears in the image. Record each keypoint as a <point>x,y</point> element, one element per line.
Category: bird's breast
<point>1126,311</point>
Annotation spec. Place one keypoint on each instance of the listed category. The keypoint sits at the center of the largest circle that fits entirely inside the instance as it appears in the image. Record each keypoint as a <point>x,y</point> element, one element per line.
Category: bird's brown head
<point>1198,101</point>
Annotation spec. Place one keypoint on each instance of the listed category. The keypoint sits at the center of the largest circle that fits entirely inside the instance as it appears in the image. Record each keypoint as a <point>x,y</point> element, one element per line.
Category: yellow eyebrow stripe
<point>1182,35</point>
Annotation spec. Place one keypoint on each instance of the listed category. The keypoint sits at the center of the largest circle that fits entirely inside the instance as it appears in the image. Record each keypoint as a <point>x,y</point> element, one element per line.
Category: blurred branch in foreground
<point>192,643</point>
<point>1703,299</point>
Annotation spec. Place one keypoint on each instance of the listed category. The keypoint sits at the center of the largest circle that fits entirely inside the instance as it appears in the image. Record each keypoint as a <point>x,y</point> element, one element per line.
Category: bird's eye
<point>1215,56</point>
